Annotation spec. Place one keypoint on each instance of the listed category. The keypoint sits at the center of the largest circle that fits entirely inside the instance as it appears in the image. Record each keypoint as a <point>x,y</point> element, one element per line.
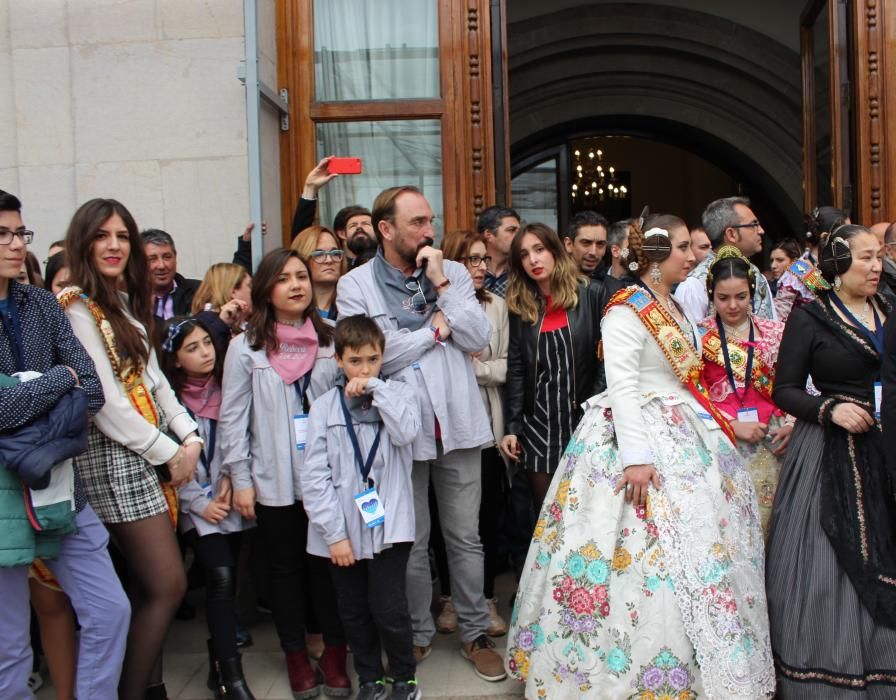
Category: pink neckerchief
<point>202,396</point>
<point>296,351</point>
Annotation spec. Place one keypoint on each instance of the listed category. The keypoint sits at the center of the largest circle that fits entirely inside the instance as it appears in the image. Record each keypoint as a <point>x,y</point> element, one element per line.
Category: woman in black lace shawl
<point>831,571</point>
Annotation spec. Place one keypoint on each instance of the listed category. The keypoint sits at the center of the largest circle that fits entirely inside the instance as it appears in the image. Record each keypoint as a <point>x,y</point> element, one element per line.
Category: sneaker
<point>496,625</point>
<point>375,690</point>
<point>487,664</point>
<point>446,622</point>
<point>421,653</point>
<point>405,690</point>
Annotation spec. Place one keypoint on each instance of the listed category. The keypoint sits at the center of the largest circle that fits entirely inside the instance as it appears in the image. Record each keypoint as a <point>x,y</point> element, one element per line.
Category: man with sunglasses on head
<point>433,322</point>
<point>728,221</point>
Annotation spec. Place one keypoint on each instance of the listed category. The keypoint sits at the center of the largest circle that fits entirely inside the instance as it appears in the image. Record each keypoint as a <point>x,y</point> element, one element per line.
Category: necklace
<point>737,331</point>
<point>863,315</point>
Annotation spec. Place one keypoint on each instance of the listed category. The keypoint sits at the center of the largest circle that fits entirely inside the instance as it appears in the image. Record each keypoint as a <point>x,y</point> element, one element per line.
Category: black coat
<point>584,326</point>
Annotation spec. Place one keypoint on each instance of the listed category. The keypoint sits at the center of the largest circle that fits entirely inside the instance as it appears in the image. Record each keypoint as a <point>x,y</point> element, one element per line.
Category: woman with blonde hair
<point>552,365</point>
<point>226,290</point>
<point>326,261</point>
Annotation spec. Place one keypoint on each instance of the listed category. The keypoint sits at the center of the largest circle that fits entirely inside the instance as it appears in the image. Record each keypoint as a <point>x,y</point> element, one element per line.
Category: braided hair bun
<point>834,254</point>
<point>651,242</point>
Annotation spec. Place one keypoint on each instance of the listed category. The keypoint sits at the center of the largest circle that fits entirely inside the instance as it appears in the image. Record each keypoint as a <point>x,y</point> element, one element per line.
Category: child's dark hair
<point>357,331</point>
<point>175,333</point>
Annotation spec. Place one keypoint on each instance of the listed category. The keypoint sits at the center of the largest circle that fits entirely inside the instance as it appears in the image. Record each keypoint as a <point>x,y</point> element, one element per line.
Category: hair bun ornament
<point>730,252</point>
<point>657,245</point>
<point>835,255</point>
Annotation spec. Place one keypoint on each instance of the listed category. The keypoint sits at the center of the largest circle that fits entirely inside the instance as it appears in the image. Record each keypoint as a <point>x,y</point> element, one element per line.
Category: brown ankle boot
<point>332,666</point>
<point>304,681</point>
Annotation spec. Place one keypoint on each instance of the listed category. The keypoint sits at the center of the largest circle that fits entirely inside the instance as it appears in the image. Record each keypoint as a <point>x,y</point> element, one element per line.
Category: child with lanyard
<point>356,486</point>
<point>272,374</point>
<point>211,527</point>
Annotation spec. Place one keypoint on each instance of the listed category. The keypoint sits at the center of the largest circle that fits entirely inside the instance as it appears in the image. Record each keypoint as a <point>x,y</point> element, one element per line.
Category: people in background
<point>586,242</point>
<point>499,225</point>
<point>172,293</point>
<point>617,241</point>
<point>326,263</point>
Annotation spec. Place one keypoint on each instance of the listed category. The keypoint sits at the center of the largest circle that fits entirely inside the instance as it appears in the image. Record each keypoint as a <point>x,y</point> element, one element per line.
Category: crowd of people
<point>680,456</point>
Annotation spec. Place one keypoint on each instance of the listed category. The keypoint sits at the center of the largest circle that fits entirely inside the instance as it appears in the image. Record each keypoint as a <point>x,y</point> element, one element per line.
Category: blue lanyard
<point>877,337</point>
<point>207,453</point>
<point>14,331</point>
<point>302,391</point>
<point>748,375</point>
<point>363,465</point>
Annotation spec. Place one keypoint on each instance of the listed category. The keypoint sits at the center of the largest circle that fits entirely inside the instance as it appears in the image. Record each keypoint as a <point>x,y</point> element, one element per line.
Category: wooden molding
<point>875,51</point>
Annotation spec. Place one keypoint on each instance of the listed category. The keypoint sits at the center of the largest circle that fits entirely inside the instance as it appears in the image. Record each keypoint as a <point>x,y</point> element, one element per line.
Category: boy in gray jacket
<point>356,486</point>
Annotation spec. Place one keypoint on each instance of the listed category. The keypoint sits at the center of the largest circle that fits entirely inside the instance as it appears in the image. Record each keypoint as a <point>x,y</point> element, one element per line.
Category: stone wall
<point>132,99</point>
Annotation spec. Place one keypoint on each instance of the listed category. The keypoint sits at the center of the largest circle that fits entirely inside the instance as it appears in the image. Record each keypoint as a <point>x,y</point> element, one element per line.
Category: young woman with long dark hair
<point>272,373</point>
<point>133,465</point>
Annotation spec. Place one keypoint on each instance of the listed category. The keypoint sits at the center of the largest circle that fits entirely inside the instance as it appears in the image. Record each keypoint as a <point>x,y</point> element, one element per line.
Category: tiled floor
<point>445,674</point>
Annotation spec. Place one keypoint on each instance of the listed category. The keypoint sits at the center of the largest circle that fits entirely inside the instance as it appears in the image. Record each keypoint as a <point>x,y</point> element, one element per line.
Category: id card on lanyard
<point>368,502</point>
<point>300,420</point>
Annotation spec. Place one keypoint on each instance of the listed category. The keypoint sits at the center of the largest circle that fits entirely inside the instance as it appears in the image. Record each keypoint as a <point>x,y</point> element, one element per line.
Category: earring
<point>837,283</point>
<point>655,275</point>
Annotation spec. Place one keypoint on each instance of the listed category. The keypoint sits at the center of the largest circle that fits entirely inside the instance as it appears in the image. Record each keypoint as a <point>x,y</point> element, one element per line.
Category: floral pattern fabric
<point>662,601</point>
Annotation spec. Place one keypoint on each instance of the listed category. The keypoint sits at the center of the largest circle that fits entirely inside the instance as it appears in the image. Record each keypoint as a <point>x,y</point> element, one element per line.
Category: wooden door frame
<point>464,107</point>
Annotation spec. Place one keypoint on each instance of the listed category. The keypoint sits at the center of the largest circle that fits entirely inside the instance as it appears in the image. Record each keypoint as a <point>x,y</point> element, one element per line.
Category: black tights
<point>157,584</point>
<point>217,554</point>
<point>539,483</point>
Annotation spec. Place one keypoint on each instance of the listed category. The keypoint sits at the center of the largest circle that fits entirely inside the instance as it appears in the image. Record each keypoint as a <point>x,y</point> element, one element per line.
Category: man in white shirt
<point>728,221</point>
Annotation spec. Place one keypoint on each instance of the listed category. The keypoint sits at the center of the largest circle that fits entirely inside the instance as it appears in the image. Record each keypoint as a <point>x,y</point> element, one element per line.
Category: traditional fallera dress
<point>763,466</point>
<point>666,600</point>
<point>832,546</point>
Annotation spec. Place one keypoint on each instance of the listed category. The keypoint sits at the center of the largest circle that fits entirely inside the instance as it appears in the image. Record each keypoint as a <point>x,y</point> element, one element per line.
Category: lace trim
<point>823,411</point>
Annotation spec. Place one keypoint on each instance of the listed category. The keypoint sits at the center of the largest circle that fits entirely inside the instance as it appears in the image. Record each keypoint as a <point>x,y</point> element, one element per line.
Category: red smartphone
<point>344,166</point>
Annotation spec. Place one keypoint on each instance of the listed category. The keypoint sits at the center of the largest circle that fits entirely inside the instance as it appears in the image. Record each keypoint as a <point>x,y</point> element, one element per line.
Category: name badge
<point>878,397</point>
<point>748,415</point>
<point>707,419</point>
<point>300,425</point>
<point>371,508</point>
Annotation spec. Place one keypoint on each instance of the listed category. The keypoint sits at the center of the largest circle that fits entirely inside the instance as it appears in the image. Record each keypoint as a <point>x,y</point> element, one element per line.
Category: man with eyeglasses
<point>432,321</point>
<point>43,366</point>
<point>728,221</point>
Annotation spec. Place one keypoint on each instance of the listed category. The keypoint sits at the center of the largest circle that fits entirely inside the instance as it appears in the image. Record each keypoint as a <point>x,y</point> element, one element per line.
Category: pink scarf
<point>296,351</point>
<point>202,396</point>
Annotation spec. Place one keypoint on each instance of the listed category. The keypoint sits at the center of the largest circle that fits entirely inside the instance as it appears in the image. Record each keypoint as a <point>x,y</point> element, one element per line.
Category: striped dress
<point>548,429</point>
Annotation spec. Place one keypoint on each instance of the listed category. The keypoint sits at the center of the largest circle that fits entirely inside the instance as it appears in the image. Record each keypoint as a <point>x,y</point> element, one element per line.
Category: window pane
<point>535,193</point>
<point>376,49</point>
<point>392,153</point>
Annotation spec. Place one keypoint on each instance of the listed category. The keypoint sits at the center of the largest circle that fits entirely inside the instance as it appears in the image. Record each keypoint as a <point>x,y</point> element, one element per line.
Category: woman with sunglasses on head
<point>644,577</point>
<point>143,443</point>
<point>831,568</point>
<point>552,365</point>
<point>490,365</point>
<point>326,263</point>
<point>737,344</point>
<point>272,373</point>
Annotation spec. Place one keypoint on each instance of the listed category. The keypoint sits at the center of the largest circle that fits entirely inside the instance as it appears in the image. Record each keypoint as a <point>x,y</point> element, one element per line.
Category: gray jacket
<point>331,477</point>
<point>256,434</point>
<point>442,373</point>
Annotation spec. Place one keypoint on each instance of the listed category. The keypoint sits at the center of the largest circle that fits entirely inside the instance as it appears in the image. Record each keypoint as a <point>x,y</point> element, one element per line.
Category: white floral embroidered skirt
<point>666,601</point>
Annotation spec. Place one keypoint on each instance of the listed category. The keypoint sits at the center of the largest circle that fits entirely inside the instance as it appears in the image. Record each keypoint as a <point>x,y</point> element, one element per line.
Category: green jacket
<point>20,543</point>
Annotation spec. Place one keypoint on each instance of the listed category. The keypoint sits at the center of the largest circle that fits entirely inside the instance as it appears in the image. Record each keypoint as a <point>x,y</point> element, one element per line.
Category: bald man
<point>880,230</point>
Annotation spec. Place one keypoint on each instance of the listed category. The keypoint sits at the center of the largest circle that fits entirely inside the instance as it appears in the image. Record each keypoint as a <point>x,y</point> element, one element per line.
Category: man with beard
<point>433,322</point>
<point>353,226</point>
<point>586,242</point>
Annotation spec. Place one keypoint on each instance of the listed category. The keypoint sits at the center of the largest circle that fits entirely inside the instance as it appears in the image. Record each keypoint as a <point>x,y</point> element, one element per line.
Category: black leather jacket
<point>584,325</point>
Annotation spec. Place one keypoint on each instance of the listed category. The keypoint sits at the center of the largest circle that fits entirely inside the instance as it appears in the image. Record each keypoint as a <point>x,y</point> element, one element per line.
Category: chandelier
<point>592,181</point>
